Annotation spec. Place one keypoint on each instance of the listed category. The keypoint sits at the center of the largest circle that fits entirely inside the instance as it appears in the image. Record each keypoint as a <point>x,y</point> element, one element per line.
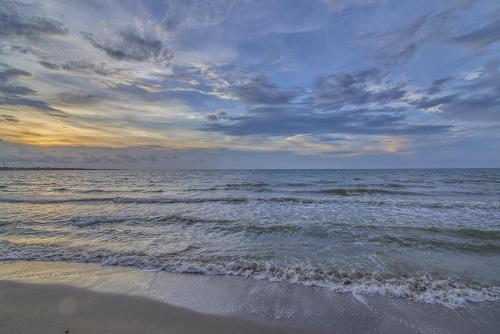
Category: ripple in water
<point>427,235</point>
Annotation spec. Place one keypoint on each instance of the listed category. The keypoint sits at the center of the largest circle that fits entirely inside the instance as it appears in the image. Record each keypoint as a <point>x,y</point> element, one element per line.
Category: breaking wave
<point>420,287</point>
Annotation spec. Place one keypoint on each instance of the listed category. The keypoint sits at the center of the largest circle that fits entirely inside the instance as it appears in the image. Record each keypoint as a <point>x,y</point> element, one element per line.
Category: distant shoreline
<point>238,169</point>
<point>53,168</point>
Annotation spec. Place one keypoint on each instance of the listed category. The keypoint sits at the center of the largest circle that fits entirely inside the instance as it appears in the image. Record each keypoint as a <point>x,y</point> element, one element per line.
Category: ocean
<point>431,236</point>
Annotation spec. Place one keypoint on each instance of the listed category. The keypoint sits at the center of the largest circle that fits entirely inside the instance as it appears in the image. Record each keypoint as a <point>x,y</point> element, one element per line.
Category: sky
<point>250,83</point>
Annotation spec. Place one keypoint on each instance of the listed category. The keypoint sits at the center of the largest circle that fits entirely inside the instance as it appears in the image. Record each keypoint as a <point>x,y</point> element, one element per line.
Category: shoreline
<point>64,309</point>
<point>271,304</point>
<point>54,168</point>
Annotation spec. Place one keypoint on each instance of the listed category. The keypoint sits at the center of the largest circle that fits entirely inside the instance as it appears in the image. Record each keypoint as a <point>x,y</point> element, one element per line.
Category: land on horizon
<point>54,168</point>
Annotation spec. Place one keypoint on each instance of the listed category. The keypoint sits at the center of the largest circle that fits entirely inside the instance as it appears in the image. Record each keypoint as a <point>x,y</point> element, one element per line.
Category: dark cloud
<point>437,85</point>
<point>341,89</point>
<point>472,107</point>
<point>477,99</point>
<point>31,103</point>
<point>219,116</point>
<point>79,66</point>
<point>13,23</point>
<point>49,65</point>
<point>481,37</point>
<point>15,90</point>
<point>338,103</point>
<point>130,45</point>
<point>429,102</point>
<point>13,95</point>
<point>80,98</point>
<point>9,118</point>
<point>280,121</point>
<point>260,91</point>
<point>8,73</point>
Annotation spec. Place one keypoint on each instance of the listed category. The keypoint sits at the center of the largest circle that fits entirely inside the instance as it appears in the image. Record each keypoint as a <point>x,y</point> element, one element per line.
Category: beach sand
<point>39,308</point>
<point>52,297</point>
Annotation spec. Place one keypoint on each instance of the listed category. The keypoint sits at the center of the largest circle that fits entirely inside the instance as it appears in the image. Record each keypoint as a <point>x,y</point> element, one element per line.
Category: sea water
<point>427,235</point>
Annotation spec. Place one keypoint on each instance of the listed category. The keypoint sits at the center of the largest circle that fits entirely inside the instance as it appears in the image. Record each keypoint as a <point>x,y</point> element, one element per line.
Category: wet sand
<point>52,297</point>
<point>40,308</point>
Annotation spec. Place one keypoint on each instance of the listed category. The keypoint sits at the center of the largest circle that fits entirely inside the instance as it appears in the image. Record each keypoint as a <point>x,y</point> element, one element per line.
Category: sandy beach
<point>53,297</point>
<point>40,308</point>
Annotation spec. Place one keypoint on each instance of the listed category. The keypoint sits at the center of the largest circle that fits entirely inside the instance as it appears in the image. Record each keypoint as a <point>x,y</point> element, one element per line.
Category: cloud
<point>399,45</point>
<point>80,66</point>
<point>340,89</point>
<point>474,99</point>
<point>437,85</point>
<point>31,103</point>
<point>72,98</point>
<point>338,5</point>
<point>15,90</point>
<point>9,73</point>
<point>431,101</point>
<point>349,103</point>
<point>482,37</point>
<point>14,24</point>
<point>289,121</point>
<point>132,45</point>
<point>189,73</point>
<point>13,95</point>
<point>260,91</point>
<point>9,118</point>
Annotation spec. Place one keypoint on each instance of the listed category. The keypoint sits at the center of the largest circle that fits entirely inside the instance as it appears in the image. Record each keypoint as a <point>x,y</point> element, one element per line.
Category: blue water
<point>428,235</point>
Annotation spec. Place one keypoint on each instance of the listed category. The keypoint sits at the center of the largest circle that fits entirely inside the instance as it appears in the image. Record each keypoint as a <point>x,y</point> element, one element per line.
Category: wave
<point>187,200</point>
<point>202,189</point>
<point>487,248</point>
<point>56,200</point>
<point>158,200</point>
<point>420,235</point>
<point>125,200</point>
<point>472,233</point>
<point>94,191</point>
<point>187,220</point>
<point>101,220</point>
<point>152,191</point>
<point>223,225</point>
<point>60,189</point>
<point>464,233</point>
<point>362,191</point>
<point>395,185</point>
<point>417,286</point>
<point>246,185</point>
<point>103,191</point>
<point>327,181</point>
<point>254,186</point>
<point>477,181</point>
<point>341,196</point>
<point>89,221</point>
<point>431,204</point>
<point>241,200</point>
